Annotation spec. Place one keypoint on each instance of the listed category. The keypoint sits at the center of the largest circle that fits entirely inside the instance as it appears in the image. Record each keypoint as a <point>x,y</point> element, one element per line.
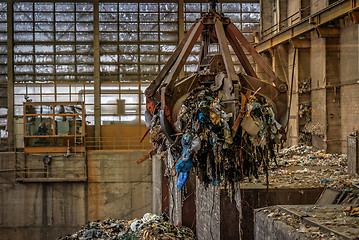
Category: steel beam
<point>181,27</point>
<point>226,54</point>
<point>300,43</point>
<point>157,82</point>
<point>182,56</point>
<point>324,32</point>
<point>96,63</point>
<point>10,77</point>
<point>241,55</point>
<point>334,11</point>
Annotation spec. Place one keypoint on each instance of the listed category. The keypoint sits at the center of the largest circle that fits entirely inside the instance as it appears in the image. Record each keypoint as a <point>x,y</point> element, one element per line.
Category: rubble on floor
<point>317,222</point>
<point>304,166</point>
<point>207,141</point>
<point>149,227</point>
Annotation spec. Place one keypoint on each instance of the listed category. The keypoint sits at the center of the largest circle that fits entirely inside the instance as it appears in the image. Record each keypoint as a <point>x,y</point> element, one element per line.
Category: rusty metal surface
<point>213,28</point>
<point>241,55</point>
<point>157,82</point>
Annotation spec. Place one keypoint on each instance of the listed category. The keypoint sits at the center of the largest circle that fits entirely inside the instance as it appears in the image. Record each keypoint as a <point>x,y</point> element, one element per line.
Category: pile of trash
<point>306,167</point>
<point>207,142</point>
<point>149,227</point>
<point>309,156</point>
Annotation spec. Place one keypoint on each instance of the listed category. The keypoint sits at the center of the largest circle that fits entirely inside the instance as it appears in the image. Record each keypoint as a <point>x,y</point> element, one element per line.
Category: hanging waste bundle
<point>206,141</point>
<point>220,123</point>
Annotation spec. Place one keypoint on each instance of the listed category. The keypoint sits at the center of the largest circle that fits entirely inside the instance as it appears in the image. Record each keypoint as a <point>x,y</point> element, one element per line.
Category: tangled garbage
<point>207,142</point>
<point>149,227</point>
<point>305,166</point>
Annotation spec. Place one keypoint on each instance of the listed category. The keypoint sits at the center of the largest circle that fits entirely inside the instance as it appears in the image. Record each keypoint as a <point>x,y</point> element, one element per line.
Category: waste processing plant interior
<point>183,119</point>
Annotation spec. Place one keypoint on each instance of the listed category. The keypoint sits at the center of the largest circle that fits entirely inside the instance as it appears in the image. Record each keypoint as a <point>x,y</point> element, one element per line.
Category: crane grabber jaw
<point>166,93</point>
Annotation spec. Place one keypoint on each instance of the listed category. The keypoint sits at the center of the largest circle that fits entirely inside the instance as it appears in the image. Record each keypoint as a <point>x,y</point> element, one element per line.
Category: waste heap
<point>149,227</point>
<point>306,166</point>
<point>206,141</point>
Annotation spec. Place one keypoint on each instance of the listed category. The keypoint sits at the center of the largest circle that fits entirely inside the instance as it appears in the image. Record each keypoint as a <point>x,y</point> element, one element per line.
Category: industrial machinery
<point>166,93</point>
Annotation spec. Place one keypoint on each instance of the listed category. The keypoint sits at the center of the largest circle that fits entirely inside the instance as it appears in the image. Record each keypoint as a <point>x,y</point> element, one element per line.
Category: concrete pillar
<point>280,62</point>
<point>156,185</point>
<point>333,100</point>
<point>318,96</point>
<point>325,97</point>
<point>260,72</point>
<point>349,79</point>
<point>293,122</point>
<point>299,55</point>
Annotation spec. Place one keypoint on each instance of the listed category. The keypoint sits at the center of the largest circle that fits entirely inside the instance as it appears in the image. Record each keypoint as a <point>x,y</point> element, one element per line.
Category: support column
<point>349,79</point>
<point>156,185</point>
<point>293,121</point>
<point>97,83</point>
<point>280,62</point>
<point>259,71</point>
<point>326,114</point>
<point>10,77</point>
<point>181,28</point>
<point>333,100</point>
<point>318,96</point>
<point>300,111</point>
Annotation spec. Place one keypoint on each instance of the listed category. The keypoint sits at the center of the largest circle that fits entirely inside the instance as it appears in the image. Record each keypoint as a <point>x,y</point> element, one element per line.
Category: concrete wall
<point>349,80</point>
<point>333,100</point>
<point>318,94</point>
<point>117,187</point>
<point>266,228</point>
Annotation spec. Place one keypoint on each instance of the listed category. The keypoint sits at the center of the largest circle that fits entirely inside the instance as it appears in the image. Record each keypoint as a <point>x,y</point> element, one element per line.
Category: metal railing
<point>116,143</point>
<point>282,24</point>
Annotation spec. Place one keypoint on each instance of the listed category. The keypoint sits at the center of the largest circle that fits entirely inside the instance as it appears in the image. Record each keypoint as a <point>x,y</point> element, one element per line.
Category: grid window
<point>131,36</point>
<point>55,92</point>
<point>53,42</point>
<point>124,102</point>
<point>53,51</point>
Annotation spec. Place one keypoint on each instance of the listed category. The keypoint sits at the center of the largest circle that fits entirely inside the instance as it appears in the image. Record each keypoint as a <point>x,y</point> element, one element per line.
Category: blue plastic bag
<point>182,178</point>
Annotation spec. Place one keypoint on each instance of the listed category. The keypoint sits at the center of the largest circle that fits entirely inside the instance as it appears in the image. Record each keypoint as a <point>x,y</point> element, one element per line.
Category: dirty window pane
<point>64,7</point>
<point>43,7</point>
<point>168,7</point>
<point>128,7</point>
<point>250,7</point>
